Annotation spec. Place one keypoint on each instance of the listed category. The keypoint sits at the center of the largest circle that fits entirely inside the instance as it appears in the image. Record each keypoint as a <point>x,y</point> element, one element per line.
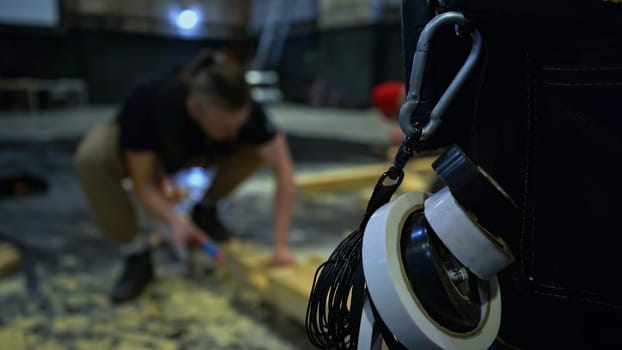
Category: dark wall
<point>39,56</point>
<point>109,62</point>
<point>116,60</point>
<point>340,67</point>
<point>329,68</point>
<point>389,59</point>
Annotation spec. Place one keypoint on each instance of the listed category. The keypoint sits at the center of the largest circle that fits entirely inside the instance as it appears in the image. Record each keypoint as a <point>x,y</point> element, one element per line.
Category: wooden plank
<point>286,289</point>
<point>339,179</point>
<point>356,176</point>
<point>247,263</point>
<point>9,259</point>
<point>289,288</point>
<point>415,182</point>
<point>12,338</point>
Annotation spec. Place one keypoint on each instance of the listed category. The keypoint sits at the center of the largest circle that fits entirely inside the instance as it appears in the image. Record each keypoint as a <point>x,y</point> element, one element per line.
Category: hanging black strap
<point>384,189</point>
<point>391,179</point>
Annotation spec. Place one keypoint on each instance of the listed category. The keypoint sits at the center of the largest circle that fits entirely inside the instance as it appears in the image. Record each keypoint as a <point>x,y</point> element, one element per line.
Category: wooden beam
<point>12,338</point>
<point>247,263</point>
<point>339,179</point>
<point>360,176</point>
<point>9,259</point>
<point>289,288</point>
<point>286,289</point>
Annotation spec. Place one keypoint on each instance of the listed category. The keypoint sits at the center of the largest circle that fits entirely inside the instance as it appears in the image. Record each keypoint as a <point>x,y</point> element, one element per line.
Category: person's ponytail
<point>215,81</point>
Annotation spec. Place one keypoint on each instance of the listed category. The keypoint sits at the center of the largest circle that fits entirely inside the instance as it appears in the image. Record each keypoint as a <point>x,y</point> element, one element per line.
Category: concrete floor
<point>363,126</point>
<point>59,300</point>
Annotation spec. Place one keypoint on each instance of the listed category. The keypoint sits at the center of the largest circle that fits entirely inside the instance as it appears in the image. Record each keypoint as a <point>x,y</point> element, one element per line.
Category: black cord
<point>329,314</point>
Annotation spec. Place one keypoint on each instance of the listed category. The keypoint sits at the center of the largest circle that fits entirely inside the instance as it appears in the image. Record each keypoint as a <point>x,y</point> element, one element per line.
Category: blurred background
<point>327,52</point>
<point>66,65</point>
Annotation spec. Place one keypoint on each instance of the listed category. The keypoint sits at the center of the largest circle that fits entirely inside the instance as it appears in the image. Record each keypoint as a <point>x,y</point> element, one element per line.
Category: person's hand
<point>184,233</point>
<point>282,256</point>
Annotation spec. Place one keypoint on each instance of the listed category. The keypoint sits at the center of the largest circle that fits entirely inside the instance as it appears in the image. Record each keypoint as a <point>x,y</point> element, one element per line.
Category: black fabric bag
<point>543,115</point>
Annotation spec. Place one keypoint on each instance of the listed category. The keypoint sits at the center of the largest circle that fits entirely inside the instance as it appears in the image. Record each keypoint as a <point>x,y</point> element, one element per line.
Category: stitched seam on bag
<point>526,173</point>
<point>585,122</point>
<point>575,290</point>
<point>534,171</point>
<point>580,69</point>
<point>576,298</point>
<point>607,84</point>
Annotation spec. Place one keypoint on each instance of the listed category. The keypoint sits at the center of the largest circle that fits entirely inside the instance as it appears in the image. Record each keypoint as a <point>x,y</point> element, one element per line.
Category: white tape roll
<point>392,294</point>
<point>478,250</point>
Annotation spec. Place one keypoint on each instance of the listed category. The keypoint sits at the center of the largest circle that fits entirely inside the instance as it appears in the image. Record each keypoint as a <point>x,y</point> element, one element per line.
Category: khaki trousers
<point>100,169</point>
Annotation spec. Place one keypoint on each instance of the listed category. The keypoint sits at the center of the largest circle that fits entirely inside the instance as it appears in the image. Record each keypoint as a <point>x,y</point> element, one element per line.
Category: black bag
<point>543,115</point>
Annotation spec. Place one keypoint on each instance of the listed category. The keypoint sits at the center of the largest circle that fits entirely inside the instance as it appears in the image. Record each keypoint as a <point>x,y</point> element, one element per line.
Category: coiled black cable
<point>330,312</point>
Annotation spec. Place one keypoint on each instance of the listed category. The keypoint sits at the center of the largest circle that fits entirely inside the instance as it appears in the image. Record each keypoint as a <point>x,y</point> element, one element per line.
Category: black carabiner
<point>413,97</point>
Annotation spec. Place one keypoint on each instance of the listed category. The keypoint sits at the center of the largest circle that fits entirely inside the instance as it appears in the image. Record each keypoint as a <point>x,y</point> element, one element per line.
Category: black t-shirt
<point>154,118</point>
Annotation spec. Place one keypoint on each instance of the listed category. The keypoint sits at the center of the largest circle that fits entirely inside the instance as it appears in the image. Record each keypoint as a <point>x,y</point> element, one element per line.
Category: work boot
<point>206,217</point>
<point>136,275</point>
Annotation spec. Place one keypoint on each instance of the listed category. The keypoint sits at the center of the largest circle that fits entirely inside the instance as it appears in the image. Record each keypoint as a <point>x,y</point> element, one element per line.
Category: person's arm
<point>276,154</point>
<point>142,167</point>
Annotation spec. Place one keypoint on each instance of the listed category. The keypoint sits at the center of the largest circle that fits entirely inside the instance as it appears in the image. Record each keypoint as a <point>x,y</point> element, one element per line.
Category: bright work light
<point>187,19</point>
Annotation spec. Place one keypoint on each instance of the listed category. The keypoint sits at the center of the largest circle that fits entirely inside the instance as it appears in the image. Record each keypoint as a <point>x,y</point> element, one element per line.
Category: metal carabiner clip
<point>413,97</point>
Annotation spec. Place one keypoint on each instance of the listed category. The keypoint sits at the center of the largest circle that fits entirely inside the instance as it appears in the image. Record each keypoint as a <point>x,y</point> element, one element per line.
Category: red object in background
<point>386,97</point>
